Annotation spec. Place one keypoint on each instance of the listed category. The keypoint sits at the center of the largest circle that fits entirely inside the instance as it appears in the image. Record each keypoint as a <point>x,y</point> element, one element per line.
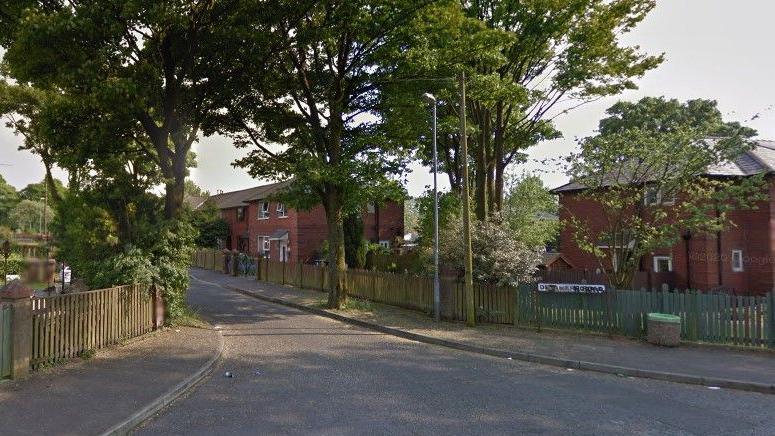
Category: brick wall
<point>753,232</point>
<point>308,229</point>
<point>391,222</point>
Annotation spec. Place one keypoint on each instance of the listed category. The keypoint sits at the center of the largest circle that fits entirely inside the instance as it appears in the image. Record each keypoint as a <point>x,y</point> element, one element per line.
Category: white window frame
<point>655,262</point>
<point>385,244</point>
<point>282,211</point>
<point>659,197</point>
<point>737,256</point>
<point>264,246</point>
<point>263,210</point>
<point>663,200</point>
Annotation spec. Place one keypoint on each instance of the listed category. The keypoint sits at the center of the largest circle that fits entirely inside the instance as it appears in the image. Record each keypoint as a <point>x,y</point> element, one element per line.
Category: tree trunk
<point>480,193</point>
<point>337,294</point>
<point>497,200</point>
<point>176,181</point>
<point>173,196</point>
<point>498,159</point>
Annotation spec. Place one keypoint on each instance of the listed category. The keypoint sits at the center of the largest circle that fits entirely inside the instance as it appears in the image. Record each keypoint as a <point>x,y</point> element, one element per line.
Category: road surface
<point>297,373</point>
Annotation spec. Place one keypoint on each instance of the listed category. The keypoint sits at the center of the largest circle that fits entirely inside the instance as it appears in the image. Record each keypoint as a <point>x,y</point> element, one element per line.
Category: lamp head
<point>430,98</point>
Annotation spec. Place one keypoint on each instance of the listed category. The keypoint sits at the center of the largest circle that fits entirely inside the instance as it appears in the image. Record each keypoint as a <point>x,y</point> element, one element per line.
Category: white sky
<point>719,49</point>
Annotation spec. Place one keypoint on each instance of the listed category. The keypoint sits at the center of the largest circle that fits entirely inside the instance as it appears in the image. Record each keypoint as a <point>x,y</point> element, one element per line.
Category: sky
<point>718,49</point>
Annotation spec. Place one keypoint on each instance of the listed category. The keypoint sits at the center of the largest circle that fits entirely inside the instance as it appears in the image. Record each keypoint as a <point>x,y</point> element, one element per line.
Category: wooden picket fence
<point>715,318</point>
<point>65,326</point>
<point>208,259</point>
<point>5,340</point>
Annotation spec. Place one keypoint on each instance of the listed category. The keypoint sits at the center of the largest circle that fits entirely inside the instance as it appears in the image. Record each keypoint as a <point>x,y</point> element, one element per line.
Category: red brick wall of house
<point>753,232</point>
<point>268,226</point>
<point>307,229</point>
<point>313,230</point>
<point>237,228</point>
<point>391,222</point>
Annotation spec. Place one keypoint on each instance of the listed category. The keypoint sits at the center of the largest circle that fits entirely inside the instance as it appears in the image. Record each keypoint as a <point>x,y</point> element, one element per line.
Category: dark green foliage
<point>8,199</point>
<point>108,245</point>
<point>531,212</point>
<point>209,226</point>
<point>353,236</point>
<point>449,207</point>
<point>15,265</point>
<point>37,191</point>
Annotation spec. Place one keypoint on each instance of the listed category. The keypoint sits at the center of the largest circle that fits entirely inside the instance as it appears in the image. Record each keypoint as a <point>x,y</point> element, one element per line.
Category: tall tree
<point>648,170</point>
<point>530,211</point>
<point>541,59</point>
<point>8,200</point>
<point>313,115</point>
<point>157,65</point>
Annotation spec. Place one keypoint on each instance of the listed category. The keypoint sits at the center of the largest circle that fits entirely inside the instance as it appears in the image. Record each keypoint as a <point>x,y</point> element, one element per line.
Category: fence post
<point>537,308</point>
<point>258,267</point>
<point>282,282</point>
<point>226,257</point>
<point>515,306</point>
<point>19,297</point>
<point>158,307</point>
<point>771,316</point>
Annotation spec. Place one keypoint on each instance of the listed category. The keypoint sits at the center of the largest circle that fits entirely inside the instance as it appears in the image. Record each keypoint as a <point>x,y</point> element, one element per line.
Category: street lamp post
<point>436,285</point>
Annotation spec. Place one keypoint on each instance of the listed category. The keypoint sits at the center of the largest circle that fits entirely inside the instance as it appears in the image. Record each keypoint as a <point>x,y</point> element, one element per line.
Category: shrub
<point>14,266</point>
<point>498,257</point>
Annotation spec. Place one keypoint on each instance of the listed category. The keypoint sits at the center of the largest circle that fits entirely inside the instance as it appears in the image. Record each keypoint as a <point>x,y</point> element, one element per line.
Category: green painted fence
<point>716,318</point>
<point>5,341</point>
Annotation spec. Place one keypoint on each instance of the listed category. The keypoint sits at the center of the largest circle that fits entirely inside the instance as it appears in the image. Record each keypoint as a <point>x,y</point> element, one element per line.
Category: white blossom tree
<point>499,257</point>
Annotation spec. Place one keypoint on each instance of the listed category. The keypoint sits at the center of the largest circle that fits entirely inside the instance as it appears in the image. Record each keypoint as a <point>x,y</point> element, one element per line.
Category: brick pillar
<point>19,297</point>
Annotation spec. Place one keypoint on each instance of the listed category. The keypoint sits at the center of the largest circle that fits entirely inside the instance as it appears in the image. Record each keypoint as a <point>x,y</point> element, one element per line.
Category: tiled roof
<point>760,159</point>
<point>194,201</point>
<point>227,200</point>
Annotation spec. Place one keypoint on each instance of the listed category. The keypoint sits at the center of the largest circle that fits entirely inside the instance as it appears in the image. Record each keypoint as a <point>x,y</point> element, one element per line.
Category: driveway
<point>297,373</point>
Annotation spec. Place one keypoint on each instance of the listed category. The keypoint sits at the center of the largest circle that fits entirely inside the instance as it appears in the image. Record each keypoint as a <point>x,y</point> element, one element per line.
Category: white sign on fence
<point>571,288</point>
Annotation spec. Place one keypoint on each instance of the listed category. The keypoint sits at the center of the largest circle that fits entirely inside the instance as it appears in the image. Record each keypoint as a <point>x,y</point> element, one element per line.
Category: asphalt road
<point>296,373</point>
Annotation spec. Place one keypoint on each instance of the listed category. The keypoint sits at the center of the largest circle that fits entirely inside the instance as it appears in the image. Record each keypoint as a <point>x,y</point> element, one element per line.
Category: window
<point>281,211</point>
<point>240,214</point>
<point>667,197</point>
<point>737,260</point>
<point>264,246</point>
<point>384,244</point>
<point>663,264</point>
<point>653,196</point>
<point>263,210</point>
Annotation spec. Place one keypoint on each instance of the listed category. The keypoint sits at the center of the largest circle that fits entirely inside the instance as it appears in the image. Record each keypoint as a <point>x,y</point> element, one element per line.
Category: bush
<point>498,257</point>
<point>14,266</point>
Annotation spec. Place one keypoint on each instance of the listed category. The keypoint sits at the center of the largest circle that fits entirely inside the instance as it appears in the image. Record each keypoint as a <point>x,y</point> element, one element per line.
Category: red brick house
<point>260,225</point>
<point>740,259</point>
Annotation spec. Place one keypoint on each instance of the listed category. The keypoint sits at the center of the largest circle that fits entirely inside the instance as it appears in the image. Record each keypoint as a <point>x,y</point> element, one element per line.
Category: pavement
<point>293,372</point>
<point>90,396</point>
<point>717,364</point>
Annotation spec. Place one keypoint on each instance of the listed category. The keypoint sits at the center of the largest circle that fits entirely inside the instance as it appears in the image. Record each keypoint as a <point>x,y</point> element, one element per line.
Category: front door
<point>284,255</point>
